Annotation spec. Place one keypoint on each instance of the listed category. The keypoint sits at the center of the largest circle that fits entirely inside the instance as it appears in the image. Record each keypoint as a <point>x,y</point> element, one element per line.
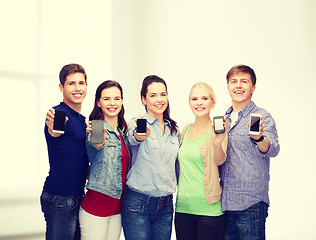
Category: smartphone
<point>97,131</point>
<point>218,124</point>
<point>254,124</point>
<point>141,128</point>
<point>59,121</point>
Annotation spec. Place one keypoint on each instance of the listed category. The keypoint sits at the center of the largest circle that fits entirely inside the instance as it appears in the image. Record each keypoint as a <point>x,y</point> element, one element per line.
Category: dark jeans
<point>248,224</point>
<point>196,227</point>
<point>61,216</point>
<point>145,217</point>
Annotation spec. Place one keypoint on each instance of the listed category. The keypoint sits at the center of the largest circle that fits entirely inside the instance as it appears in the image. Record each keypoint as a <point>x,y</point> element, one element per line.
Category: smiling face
<point>201,102</point>
<point>74,90</point>
<point>156,100</point>
<point>240,89</point>
<point>110,102</point>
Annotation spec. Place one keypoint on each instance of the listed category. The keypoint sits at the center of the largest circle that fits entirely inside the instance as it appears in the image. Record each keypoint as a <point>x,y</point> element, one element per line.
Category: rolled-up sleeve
<point>270,133</point>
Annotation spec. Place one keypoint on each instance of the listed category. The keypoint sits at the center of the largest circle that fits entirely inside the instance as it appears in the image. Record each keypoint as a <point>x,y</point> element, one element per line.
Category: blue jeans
<point>248,224</point>
<point>61,216</point>
<point>145,217</point>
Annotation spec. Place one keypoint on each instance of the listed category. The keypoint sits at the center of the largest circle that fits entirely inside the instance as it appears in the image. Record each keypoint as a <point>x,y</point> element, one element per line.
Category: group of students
<point>221,180</point>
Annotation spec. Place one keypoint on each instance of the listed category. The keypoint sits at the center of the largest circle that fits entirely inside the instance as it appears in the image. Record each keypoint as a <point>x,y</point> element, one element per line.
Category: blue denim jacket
<point>105,171</point>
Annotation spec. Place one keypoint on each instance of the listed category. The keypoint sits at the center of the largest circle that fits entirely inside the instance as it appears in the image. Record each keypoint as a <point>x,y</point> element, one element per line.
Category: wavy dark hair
<point>97,113</point>
<point>143,92</point>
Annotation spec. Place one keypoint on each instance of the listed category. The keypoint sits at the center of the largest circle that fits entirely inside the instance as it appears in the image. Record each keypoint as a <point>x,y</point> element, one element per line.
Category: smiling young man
<point>245,174</point>
<point>64,187</point>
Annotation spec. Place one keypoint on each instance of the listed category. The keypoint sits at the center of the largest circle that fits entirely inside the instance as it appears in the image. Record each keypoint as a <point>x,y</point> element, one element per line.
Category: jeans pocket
<point>134,206</point>
<point>45,202</point>
<point>66,203</point>
<point>170,204</point>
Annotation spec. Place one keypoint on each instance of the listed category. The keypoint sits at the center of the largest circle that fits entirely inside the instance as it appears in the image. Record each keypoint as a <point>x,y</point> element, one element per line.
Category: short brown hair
<point>70,69</point>
<point>242,69</point>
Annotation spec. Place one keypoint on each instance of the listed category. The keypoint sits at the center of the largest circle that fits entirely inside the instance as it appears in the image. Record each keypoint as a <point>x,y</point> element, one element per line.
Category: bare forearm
<point>219,153</point>
<point>263,145</point>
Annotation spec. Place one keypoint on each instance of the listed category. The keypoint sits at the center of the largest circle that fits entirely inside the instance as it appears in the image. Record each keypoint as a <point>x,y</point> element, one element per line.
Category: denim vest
<point>105,171</point>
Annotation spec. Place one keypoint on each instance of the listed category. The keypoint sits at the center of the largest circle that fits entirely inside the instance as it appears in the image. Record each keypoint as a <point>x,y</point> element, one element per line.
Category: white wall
<point>184,42</point>
<point>37,39</point>
<point>190,41</point>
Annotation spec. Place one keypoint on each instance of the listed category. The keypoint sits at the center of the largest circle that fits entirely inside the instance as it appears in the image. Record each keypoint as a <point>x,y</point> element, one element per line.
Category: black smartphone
<point>59,121</point>
<point>97,131</point>
<point>218,124</point>
<point>141,128</point>
<point>254,124</point>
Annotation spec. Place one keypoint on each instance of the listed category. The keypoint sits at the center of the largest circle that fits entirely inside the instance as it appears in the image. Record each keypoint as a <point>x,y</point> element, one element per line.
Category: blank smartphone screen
<point>255,124</point>
<point>59,120</point>
<point>141,125</point>
<point>97,131</point>
<point>218,124</point>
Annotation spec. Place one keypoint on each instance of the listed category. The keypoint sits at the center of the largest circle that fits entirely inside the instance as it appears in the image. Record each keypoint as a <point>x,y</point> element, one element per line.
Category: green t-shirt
<point>191,196</point>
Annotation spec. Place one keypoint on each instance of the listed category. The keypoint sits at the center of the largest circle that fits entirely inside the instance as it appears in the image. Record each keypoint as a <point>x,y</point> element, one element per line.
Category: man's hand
<point>264,145</point>
<point>50,122</point>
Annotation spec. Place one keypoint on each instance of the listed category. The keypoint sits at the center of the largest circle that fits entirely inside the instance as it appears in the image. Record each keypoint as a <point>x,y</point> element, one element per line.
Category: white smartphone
<point>97,131</point>
<point>141,128</point>
<point>218,124</point>
<point>59,121</point>
<point>254,124</point>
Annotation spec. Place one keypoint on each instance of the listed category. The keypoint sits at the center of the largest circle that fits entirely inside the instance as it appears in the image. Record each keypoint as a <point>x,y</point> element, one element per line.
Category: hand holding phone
<point>97,132</point>
<point>59,122</point>
<point>218,124</point>
<point>254,126</point>
<point>142,130</point>
<point>141,126</point>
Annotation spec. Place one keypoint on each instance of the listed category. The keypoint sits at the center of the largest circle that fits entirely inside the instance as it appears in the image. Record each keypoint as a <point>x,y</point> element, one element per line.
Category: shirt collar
<point>243,112</point>
<point>71,111</point>
<point>151,119</point>
<point>110,129</point>
<point>108,126</point>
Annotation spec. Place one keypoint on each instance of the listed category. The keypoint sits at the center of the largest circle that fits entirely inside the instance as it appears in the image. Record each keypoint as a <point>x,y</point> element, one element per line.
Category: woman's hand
<point>89,130</point>
<point>141,138</point>
<point>219,138</point>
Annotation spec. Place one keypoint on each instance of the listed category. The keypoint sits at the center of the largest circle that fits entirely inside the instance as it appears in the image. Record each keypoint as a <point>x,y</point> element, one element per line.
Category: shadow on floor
<point>35,236</point>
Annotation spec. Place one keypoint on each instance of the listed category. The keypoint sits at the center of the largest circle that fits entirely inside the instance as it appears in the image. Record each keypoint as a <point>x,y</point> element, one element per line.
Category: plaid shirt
<point>245,174</point>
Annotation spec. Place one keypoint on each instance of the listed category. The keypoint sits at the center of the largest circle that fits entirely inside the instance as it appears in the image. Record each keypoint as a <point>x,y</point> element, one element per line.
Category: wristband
<point>256,141</point>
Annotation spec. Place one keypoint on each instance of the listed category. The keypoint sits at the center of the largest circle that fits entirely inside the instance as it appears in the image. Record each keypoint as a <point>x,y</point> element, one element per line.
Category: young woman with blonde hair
<point>198,206</point>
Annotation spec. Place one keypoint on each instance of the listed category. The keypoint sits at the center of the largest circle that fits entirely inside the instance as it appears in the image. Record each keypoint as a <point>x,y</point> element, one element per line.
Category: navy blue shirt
<point>68,158</point>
